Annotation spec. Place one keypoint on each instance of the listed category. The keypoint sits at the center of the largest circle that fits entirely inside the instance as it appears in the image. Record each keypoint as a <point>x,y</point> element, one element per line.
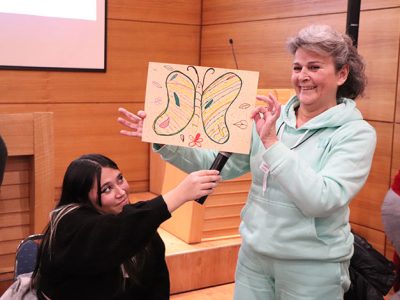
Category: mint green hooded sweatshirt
<point>298,203</point>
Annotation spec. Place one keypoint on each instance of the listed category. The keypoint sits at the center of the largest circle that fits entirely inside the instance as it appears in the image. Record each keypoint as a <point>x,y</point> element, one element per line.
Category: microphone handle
<point>218,164</point>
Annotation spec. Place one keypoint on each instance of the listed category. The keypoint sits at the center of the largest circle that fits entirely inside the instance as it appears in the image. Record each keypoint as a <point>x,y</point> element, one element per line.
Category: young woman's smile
<point>114,191</point>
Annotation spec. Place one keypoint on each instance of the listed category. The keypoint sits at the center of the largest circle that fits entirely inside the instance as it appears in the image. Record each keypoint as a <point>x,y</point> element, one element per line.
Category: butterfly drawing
<point>189,103</point>
<point>195,141</point>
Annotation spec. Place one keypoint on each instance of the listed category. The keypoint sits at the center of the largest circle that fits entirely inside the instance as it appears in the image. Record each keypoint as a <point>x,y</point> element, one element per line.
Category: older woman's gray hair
<point>325,40</point>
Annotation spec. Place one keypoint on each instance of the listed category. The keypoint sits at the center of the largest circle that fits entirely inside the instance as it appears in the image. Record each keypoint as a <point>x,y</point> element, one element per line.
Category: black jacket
<point>371,274</point>
<point>89,249</point>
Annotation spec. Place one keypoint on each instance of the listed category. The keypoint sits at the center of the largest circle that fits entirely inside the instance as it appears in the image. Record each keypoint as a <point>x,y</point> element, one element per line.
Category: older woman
<point>308,159</point>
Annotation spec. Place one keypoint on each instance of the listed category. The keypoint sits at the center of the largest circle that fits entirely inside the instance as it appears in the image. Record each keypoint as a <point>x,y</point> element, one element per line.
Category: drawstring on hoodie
<point>265,169</point>
<point>300,140</point>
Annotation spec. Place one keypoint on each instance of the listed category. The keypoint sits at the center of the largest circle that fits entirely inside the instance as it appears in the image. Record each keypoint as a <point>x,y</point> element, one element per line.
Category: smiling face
<point>114,192</point>
<point>315,80</point>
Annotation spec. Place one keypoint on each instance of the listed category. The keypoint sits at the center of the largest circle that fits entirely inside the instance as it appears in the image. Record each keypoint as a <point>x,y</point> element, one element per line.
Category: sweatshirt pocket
<point>279,228</point>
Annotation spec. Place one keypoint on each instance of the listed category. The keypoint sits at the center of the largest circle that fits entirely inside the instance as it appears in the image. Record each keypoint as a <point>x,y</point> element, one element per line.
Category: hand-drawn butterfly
<point>185,99</point>
<point>195,141</point>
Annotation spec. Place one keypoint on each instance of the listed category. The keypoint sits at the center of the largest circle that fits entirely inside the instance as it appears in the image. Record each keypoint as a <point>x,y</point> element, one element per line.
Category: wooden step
<point>220,292</point>
<point>201,265</point>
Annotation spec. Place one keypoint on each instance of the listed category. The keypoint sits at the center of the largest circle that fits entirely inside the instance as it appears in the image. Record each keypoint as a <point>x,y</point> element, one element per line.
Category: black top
<point>89,248</point>
<point>3,158</point>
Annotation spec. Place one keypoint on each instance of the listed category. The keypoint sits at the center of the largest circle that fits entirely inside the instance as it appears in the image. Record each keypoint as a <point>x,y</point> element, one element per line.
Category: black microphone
<point>233,53</point>
<point>218,164</point>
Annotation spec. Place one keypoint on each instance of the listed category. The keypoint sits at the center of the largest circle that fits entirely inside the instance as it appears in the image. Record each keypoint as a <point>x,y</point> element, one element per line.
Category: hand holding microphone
<point>218,164</point>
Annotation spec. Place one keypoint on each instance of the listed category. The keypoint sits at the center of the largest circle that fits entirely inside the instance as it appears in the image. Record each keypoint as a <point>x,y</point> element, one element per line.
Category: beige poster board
<point>199,107</point>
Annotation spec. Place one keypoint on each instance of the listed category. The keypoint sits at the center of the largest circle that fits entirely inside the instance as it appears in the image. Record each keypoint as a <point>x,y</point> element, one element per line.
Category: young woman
<point>308,159</point>
<point>99,246</point>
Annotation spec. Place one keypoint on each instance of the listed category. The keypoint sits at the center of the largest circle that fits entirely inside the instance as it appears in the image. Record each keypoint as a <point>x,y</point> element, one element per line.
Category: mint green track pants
<point>259,277</point>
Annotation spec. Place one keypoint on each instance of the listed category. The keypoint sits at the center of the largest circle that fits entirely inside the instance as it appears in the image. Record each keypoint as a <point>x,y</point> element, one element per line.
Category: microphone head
<point>233,52</point>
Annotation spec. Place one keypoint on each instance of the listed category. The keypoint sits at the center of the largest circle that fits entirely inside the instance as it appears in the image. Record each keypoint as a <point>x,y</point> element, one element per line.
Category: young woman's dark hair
<point>80,176</point>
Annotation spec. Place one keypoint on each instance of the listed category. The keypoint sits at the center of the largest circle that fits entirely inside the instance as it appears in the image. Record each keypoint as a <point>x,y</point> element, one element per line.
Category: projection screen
<point>53,34</point>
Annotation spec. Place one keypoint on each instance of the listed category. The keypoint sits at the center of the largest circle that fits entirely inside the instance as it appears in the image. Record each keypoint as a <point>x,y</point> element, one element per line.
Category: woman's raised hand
<point>132,121</point>
<point>265,119</point>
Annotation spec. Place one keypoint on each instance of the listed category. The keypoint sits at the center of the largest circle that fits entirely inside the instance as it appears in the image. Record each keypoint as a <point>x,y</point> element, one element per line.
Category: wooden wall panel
<point>365,209</point>
<point>8,247</point>
<point>237,197</point>
<point>178,11</point>
<point>16,233</point>
<point>15,214</point>
<point>221,223</point>
<point>131,45</point>
<point>88,128</point>
<point>259,46</point>
<point>17,176</point>
<point>27,193</point>
<point>236,11</point>
<point>21,134</point>
<point>14,205</point>
<point>95,130</point>
<point>396,151</point>
<point>379,45</point>
<point>29,140</point>
<point>23,86</point>
<point>379,4</point>
<point>398,96</point>
<point>10,237</point>
<point>14,219</point>
<point>42,175</point>
<point>21,190</point>
<point>222,211</point>
<point>233,11</point>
